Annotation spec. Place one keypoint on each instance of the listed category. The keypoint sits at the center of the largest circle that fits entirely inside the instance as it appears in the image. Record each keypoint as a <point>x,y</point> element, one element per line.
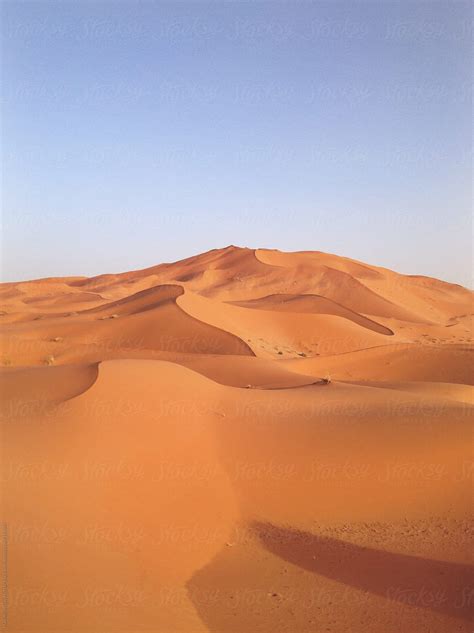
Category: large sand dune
<point>240,441</point>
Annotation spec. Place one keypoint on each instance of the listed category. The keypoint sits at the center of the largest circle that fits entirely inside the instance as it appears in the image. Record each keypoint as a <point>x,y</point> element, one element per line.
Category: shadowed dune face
<point>46,384</point>
<point>239,441</point>
<point>139,302</point>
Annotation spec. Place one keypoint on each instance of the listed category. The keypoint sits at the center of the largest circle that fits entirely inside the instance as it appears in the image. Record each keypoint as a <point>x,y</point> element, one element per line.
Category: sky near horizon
<point>141,132</point>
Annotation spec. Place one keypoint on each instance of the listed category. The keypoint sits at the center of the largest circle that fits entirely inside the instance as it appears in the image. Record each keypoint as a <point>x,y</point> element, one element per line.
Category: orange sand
<point>173,460</point>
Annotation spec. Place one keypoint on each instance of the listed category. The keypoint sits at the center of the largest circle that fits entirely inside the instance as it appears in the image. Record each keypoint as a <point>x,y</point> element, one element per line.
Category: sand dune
<point>240,441</point>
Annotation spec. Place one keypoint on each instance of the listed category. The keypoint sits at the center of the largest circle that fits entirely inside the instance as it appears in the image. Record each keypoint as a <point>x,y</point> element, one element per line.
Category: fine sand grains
<point>240,441</point>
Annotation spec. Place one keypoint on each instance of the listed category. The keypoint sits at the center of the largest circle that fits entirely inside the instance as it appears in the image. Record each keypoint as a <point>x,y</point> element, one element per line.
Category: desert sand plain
<point>245,441</point>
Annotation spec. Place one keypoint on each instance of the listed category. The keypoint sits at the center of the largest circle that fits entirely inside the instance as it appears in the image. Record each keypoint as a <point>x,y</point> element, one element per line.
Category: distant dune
<point>244,440</point>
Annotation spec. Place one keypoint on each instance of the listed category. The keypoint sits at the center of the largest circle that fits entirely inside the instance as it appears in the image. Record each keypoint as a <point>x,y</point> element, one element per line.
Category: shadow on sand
<point>419,582</point>
<point>406,582</point>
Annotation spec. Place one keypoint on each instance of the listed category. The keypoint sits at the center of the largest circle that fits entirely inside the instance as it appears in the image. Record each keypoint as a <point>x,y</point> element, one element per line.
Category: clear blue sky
<point>142,132</point>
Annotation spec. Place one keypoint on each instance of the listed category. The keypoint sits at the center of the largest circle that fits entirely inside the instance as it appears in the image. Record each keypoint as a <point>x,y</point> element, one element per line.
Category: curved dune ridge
<point>314,304</point>
<point>244,440</point>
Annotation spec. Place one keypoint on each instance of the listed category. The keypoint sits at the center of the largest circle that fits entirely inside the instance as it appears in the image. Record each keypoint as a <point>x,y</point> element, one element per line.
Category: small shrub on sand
<point>57,339</point>
<point>7,362</point>
<point>327,380</point>
<point>49,360</point>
